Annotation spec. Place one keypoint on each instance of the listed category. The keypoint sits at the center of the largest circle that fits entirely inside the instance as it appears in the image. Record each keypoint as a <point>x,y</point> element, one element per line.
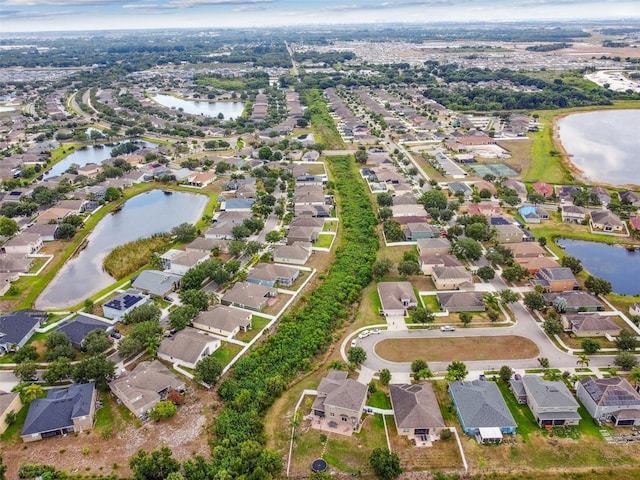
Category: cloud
<point>394,5</point>
<point>252,8</point>
<point>61,3</point>
<point>32,15</point>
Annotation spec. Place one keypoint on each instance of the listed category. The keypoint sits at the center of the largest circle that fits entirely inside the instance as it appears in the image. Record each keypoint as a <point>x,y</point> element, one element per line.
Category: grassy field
<point>457,348</point>
<point>126,259</point>
<point>226,352</point>
<point>324,240</point>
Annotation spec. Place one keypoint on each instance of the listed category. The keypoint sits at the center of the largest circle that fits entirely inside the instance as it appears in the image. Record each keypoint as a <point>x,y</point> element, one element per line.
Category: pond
<point>611,262</point>
<point>141,216</point>
<point>604,144</point>
<point>229,110</point>
<point>89,154</point>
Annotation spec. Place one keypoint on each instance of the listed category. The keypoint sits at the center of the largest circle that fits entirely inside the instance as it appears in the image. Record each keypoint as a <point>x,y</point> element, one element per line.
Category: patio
<point>330,425</point>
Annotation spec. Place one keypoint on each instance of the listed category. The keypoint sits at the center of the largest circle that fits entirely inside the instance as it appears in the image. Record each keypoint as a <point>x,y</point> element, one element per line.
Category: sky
<point>57,15</point>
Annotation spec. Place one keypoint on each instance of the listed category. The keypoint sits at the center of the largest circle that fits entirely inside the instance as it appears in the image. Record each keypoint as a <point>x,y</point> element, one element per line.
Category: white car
<point>354,343</point>
<point>447,328</point>
<point>364,334</point>
<point>375,331</point>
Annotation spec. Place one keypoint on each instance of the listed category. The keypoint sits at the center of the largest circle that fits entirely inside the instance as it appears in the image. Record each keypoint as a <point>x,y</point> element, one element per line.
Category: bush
<point>445,434</point>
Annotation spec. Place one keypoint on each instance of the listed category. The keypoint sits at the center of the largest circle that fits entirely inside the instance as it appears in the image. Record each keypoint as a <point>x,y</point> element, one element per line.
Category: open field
<point>456,348</point>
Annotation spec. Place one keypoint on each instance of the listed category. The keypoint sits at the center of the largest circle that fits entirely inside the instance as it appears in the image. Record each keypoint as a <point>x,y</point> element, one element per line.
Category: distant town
<point>295,253</point>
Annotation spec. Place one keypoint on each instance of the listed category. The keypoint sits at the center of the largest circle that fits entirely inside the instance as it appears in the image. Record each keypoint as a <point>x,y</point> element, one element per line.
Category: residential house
<point>508,233</point>
<point>481,410</point>
<point>62,411</point>
<point>396,298</point>
<point>179,261</point>
<point>249,295</point>
<point>536,263</point>
<point>590,325</point>
<point>123,303</point>
<point>53,215</point>
<point>416,412</point>
<point>485,209</point>
<point>5,281</point>
<point>533,213</point>
<point>427,262</point>
<point>156,283</point>
<point>517,186</point>
<point>319,211</point>
<point>408,210</point>
<point>461,301</point>
<point>573,214</point>
<point>457,188</point>
<point>313,222</point>
<point>16,328</point>
<point>90,170</point>
<point>272,275</point>
<point>234,218</point>
<point>46,231</point>
<point>302,234</point>
<point>630,197</point>
<point>77,328</point>
<point>144,386</point>
<point>187,347</point>
<point>635,309</point>
<point>576,301</point>
<point>525,249</point>
<point>340,400</point>
<point>433,246</point>
<point>415,230</point>
<point>15,263</point>
<point>601,194</point>
<point>237,205</point>
<point>220,231</point>
<point>297,254</point>
<point>607,222</point>
<point>9,403</point>
<point>610,399</point>
<point>566,193</point>
<point>25,243</point>
<point>551,402</point>
<point>543,189</point>
<point>202,244</point>
<point>225,321</point>
<point>484,185</point>
<point>556,279</point>
<point>634,223</point>
<point>201,179</point>
<point>74,205</point>
<point>451,278</point>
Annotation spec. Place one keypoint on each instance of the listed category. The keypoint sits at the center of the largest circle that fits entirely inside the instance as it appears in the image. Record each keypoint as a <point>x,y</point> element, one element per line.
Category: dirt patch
<point>457,348</point>
<point>89,453</point>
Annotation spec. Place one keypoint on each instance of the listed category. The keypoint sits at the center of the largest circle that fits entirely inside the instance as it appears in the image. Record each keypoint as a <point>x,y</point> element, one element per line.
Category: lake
<point>141,216</point>
<point>611,262</point>
<point>230,110</point>
<point>604,144</point>
<point>90,154</point>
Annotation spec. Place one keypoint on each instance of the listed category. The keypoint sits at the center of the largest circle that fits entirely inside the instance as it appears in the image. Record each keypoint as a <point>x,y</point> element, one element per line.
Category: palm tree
<point>491,299</point>
<point>634,376</point>
<point>31,392</point>
<point>584,360</point>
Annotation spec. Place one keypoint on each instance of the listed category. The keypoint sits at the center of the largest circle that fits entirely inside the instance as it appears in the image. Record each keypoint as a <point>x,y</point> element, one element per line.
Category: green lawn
<point>12,433</point>
<point>521,413</point>
<point>226,352</point>
<point>330,226</point>
<point>431,303</point>
<point>257,324</point>
<point>379,400</point>
<point>324,240</point>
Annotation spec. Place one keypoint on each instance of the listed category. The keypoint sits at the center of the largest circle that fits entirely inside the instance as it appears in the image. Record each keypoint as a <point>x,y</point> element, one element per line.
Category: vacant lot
<point>457,348</point>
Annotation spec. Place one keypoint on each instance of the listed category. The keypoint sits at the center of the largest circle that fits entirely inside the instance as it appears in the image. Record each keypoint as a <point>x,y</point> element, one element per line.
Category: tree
<point>542,241</point>
<point>155,466</point>
<point>356,356</point>
<point>486,273</point>
<point>58,345</point>
<point>385,464</point>
<point>182,317</point>
<point>385,376</point>
<point>477,231</point>
<point>30,391</point>
<point>208,370</point>
<point>361,155</point>
<point>468,248</point>
<point>26,371</point>
<point>97,369</point>
<point>385,213</point>
<point>597,286</point>
<point>88,305</point>
<point>144,313</point>
<point>381,268</point>
<point>508,296</point>
<point>465,318</point>
<point>456,371</point>
<point>196,298</point>
<point>65,230</point>
<point>409,268</point>
<point>422,315</point>
<point>634,376</point>
<point>626,361</point>
<point>560,304</point>
<point>433,199</point>
<point>534,301</point>
<point>590,346</point>
<point>505,373</point>
<point>28,352</point>
<point>112,193</point>
<point>384,199</point>
<point>515,273</point>
<point>572,263</point>
<point>273,236</point>
<point>583,360</point>
<point>163,410</point>
<point>418,365</point>
<point>185,232</point>
<point>8,227</point>
<point>58,370</point>
<point>626,341</point>
<point>96,341</point>
<point>143,335</point>
<point>544,362</point>
<point>552,326</point>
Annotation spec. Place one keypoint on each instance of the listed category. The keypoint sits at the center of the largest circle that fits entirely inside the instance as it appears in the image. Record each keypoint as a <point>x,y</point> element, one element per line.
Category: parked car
<point>447,328</point>
<point>364,334</point>
<point>375,331</point>
<point>115,335</point>
<point>354,343</point>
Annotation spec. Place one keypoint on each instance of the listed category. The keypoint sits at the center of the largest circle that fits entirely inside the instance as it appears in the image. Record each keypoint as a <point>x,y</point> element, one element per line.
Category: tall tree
<point>456,371</point>
<point>385,464</point>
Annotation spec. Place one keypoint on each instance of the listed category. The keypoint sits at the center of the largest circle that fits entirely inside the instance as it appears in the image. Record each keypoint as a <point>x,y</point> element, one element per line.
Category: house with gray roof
<point>302,234</point>
<point>508,233</point>
<point>179,261</point>
<point>481,410</point>
<point>427,262</point>
<point>340,399</point>
<point>123,303</point>
<point>451,278</point>
<point>461,301</point>
<point>272,275</point>
<point>551,403</point>
<point>297,254</point>
<point>461,187</point>
<point>62,411</point>
<point>558,279</point>
<point>605,221</point>
<point>590,325</point>
<point>156,283</point>
<point>223,320</point>
<point>79,326</point>
<point>414,230</point>
<point>433,246</point>
<point>187,347</point>
<point>248,295</point>
<point>610,399</point>
<point>576,301</point>
<point>25,243</point>
<point>16,328</point>
<point>397,298</point>
<point>144,386</point>
<point>416,412</point>
<point>573,213</point>
<point>237,204</point>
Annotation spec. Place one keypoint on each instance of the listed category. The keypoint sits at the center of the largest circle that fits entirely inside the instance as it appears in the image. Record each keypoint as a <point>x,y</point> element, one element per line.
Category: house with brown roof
<point>543,189</point>
<point>536,263</point>
<point>187,347</point>
<point>508,233</point>
<point>486,209</point>
<point>340,400</point>
<point>396,298</point>
<point>302,234</point>
<point>610,400</point>
<point>53,215</point>
<point>297,254</point>
<point>427,262</point>
<point>201,179</point>
<point>605,221</point>
<point>555,279</point>
<point>144,386</point>
<point>590,325</point>
<point>433,246</point>
<point>248,295</point>
<point>416,412</point>
<point>525,249</point>
<point>634,223</point>
<point>223,320</point>
<point>273,275</point>
<point>24,243</point>
<point>451,278</point>
<point>461,301</point>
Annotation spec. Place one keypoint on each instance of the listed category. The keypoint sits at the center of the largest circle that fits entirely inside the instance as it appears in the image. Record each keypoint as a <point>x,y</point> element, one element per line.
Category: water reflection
<point>229,110</point>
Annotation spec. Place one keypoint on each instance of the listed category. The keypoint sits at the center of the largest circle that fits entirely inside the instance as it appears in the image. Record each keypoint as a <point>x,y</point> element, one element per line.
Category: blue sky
<point>43,15</point>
